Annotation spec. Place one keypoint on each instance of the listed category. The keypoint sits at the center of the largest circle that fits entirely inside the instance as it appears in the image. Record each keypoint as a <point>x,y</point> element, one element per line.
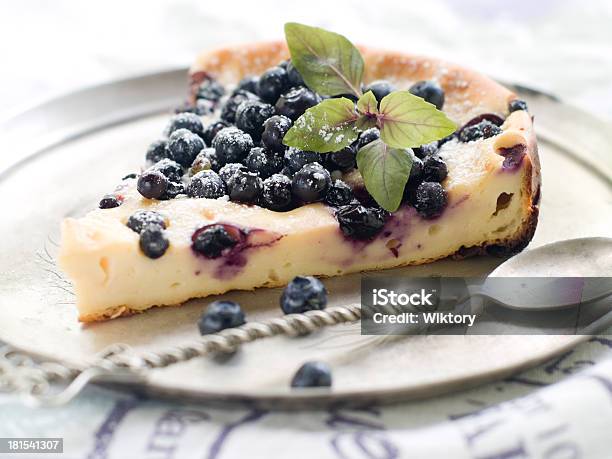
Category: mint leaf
<point>328,62</point>
<point>406,121</point>
<point>367,106</point>
<point>328,126</point>
<point>385,171</point>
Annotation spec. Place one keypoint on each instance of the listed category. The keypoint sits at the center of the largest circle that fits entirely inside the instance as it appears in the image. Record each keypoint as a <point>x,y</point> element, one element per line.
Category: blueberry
<point>228,171</point>
<point>109,201</point>
<point>274,130</point>
<point>251,115</point>
<point>426,150</point>
<point>430,199</point>
<point>416,173</point>
<point>380,88</point>
<point>210,89</point>
<point>276,194</point>
<point>295,102</point>
<point>263,162</point>
<point>430,91</point>
<point>272,83</point>
<point>368,136</point>
<point>220,315</point>
<point>482,130</point>
<point>232,145</point>
<point>189,121</point>
<point>248,83</point>
<point>310,183</point>
<point>171,169</point>
<point>228,113</point>
<point>206,184</point>
<point>312,374</point>
<point>434,169</point>
<point>342,160</point>
<point>157,151</point>
<point>303,294</point>
<point>245,187</point>
<point>141,218</point>
<point>295,159</point>
<point>294,77</point>
<point>184,146</point>
<point>360,222</point>
<point>152,184</point>
<point>339,194</point>
<point>153,241</point>
<point>212,129</point>
<point>516,105</point>
<point>212,241</point>
<point>448,138</point>
<point>173,190</point>
<point>284,64</point>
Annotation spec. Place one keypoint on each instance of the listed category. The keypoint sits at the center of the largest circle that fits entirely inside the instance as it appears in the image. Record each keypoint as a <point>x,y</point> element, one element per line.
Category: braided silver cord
<point>119,363</point>
<point>229,340</point>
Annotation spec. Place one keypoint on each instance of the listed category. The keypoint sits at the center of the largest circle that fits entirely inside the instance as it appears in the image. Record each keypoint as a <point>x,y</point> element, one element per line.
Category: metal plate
<point>61,156</point>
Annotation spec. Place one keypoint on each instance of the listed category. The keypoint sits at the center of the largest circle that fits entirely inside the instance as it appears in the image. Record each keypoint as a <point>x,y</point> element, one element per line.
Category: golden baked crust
<point>467,93</point>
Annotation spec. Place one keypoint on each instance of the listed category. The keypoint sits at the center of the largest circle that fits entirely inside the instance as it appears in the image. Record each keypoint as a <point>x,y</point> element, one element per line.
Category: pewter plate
<point>58,158</point>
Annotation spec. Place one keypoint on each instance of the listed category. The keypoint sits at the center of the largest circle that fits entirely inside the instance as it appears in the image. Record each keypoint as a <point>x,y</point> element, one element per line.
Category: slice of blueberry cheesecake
<point>270,170</point>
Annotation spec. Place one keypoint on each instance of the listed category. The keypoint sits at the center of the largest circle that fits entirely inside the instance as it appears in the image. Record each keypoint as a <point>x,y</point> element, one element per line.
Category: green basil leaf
<point>367,104</point>
<point>407,121</point>
<point>385,171</point>
<point>328,126</point>
<point>328,62</point>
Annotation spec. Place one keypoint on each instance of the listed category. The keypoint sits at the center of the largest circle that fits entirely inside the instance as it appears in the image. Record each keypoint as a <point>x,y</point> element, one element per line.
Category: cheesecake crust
<point>467,93</point>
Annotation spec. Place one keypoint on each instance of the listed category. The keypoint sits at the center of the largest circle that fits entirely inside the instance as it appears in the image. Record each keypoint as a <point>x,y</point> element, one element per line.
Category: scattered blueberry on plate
<point>303,294</point>
<point>312,374</point>
<point>220,315</point>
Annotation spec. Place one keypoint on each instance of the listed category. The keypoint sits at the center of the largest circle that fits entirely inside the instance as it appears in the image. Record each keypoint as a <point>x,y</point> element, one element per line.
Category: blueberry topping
<point>248,83</point>
<point>274,130</point>
<point>212,129</point>
<point>220,315</point>
<point>303,294</point>
<point>109,201</point>
<point>434,169</point>
<point>310,183</point>
<point>276,194</point>
<point>206,184</point>
<point>141,218</point>
<point>171,169</point>
<point>368,136</point>
<point>516,105</point>
<point>263,162</point>
<point>448,138</point>
<point>228,113</point>
<point>206,159</point>
<point>342,160</point>
<point>426,150</point>
<point>152,184</point>
<point>212,241</point>
<point>430,91</point>
<point>232,145</point>
<point>189,121</point>
<point>430,199</point>
<point>312,374</point>
<point>153,241</point>
<point>416,173</point>
<point>228,171</point>
<point>272,83</point>
<point>295,159</point>
<point>339,194</point>
<point>173,190</point>
<point>184,146</point>
<point>380,88</point>
<point>295,102</point>
<point>157,151</point>
<point>210,89</point>
<point>250,117</point>
<point>360,222</point>
<point>294,77</point>
<point>482,130</point>
<point>245,187</point>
